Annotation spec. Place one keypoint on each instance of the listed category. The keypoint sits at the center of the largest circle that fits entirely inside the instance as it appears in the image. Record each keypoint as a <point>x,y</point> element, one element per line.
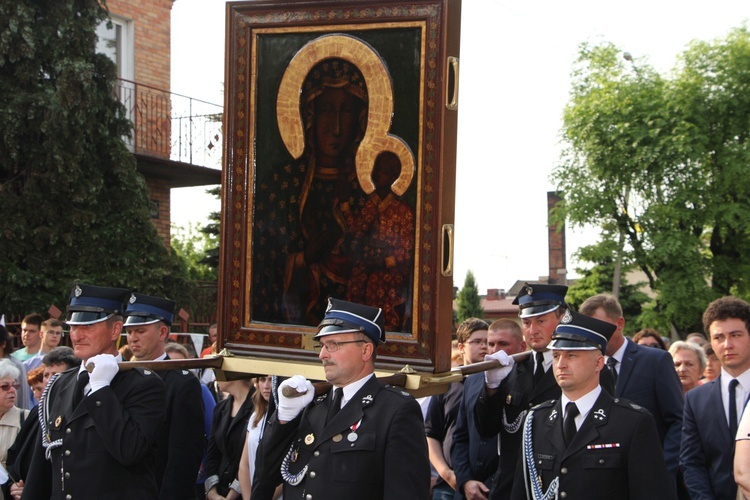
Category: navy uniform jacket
<point>505,411</point>
<point>107,449</point>
<point>707,453</point>
<point>472,456</point>
<point>179,447</point>
<point>384,458</point>
<point>615,454</point>
<point>647,378</point>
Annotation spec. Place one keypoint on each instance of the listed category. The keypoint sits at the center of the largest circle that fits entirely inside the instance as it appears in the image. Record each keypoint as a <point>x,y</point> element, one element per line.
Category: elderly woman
<point>689,361</point>
<point>650,338</point>
<point>11,417</point>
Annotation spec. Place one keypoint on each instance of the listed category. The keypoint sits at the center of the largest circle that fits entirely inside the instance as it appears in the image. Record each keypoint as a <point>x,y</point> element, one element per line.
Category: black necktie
<point>612,365</point>
<point>335,405</point>
<point>569,425</point>
<point>733,407</point>
<point>81,383</point>
<point>539,370</point>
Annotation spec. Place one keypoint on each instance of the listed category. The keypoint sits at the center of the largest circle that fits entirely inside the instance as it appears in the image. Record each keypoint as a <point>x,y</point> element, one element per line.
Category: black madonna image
<point>335,218</point>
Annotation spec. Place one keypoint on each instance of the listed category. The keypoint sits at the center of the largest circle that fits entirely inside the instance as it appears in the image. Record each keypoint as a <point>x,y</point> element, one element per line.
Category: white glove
<point>492,378</point>
<point>290,407</point>
<point>105,369</point>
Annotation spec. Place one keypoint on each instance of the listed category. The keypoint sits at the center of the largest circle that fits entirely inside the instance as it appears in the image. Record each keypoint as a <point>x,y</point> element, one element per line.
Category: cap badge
<point>77,291</point>
<point>329,306</point>
<point>529,290</point>
<point>567,317</point>
<point>132,298</point>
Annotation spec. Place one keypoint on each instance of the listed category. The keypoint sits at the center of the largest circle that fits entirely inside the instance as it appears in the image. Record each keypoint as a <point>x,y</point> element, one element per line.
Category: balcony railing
<point>172,126</point>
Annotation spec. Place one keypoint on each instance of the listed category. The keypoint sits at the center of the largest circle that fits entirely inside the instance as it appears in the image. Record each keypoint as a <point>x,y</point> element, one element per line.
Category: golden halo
<point>380,110</point>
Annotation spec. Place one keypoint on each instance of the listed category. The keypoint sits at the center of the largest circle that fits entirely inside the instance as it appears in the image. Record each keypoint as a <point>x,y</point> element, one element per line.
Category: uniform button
<point>67,475</point>
<point>563,494</point>
<point>68,431</point>
<point>316,453</point>
<point>98,403</point>
<point>68,497</point>
<point>601,460</point>
<point>67,453</point>
<point>312,474</point>
<point>564,470</point>
<point>308,497</point>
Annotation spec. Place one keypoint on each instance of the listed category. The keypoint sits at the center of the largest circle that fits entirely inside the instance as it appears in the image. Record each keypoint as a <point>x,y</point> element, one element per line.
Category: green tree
<point>212,233</point>
<point>663,161</point>
<point>191,246</point>
<point>72,204</point>
<point>599,279</point>
<point>467,300</point>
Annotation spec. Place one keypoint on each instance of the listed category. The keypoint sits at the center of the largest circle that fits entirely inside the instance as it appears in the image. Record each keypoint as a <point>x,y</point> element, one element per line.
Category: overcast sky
<point>515,61</point>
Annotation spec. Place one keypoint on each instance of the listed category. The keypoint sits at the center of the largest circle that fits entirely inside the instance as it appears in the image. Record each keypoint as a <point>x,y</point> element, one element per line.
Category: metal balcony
<point>172,126</point>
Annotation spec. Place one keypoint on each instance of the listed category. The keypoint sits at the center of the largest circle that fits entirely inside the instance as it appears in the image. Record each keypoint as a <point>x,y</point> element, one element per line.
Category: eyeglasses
<point>477,342</point>
<point>6,386</point>
<point>333,346</point>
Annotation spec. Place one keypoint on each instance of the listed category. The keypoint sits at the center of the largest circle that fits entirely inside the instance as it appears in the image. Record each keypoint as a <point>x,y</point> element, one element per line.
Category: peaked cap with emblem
<point>145,310</point>
<point>90,304</point>
<point>578,332</point>
<point>348,317</point>
<point>535,300</point>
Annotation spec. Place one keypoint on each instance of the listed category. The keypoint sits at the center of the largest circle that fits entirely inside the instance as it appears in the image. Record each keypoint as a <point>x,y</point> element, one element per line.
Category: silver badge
<point>567,317</point>
<point>367,399</point>
<point>599,414</point>
<point>77,291</point>
<point>132,298</point>
<point>352,437</point>
<point>529,290</point>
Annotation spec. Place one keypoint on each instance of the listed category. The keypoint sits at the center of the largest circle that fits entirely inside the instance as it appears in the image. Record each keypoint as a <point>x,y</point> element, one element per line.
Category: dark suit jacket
<point>647,378</point>
<point>472,456</point>
<point>707,452</point>
<point>614,455</point>
<point>385,457</point>
<point>226,442</point>
<point>107,440</point>
<point>505,411</point>
<point>179,447</point>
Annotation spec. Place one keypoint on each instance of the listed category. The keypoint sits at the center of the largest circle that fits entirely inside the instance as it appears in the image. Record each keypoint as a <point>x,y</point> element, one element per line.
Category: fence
<point>172,126</point>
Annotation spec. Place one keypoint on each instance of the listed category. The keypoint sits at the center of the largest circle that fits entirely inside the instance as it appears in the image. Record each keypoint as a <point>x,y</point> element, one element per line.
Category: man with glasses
<point>443,410</point>
<point>98,425</point>
<point>360,439</point>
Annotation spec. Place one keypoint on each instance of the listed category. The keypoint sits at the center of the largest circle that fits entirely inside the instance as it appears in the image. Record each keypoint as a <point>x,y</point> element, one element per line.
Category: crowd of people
<point>573,409</point>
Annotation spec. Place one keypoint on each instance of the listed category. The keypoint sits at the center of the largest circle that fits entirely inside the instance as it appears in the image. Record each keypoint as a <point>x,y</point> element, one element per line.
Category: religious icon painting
<point>339,173</point>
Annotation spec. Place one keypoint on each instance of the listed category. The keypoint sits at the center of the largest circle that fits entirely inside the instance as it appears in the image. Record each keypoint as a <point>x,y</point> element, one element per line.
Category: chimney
<point>493,294</point>
<point>556,250</point>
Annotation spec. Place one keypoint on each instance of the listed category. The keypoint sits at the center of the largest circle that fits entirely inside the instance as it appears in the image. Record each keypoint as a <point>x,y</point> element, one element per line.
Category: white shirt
<point>618,355</point>
<point>351,389</point>
<point>741,392</point>
<point>584,404</point>
<point>547,360</point>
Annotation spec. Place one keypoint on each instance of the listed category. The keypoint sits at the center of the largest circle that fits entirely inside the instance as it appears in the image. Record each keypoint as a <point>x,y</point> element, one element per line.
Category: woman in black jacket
<point>227,440</point>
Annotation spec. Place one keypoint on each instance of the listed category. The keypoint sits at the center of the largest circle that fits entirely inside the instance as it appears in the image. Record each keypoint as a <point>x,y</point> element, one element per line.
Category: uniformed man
<point>510,391</point>
<point>97,429</point>
<point>587,444</point>
<point>179,447</point>
<point>359,440</point>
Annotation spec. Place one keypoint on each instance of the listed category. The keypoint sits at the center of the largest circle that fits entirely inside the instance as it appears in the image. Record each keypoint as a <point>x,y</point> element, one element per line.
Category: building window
<point>116,42</point>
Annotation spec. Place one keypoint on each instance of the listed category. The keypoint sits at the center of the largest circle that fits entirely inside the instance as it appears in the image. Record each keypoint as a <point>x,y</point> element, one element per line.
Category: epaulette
<point>629,404</point>
<point>398,390</point>
<point>546,404</point>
